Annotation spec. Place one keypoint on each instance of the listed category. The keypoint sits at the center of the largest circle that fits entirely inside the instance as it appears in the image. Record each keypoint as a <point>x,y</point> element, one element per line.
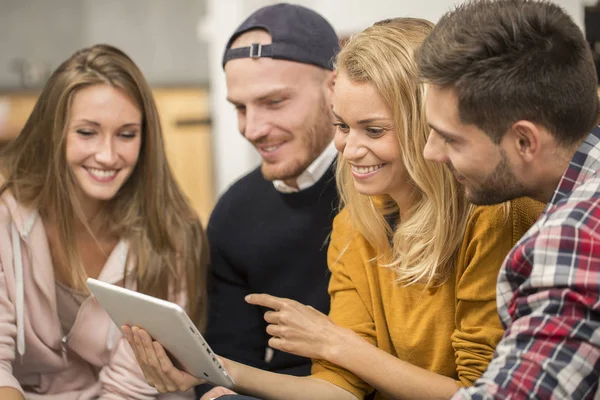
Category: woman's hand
<point>300,329</point>
<point>157,367</point>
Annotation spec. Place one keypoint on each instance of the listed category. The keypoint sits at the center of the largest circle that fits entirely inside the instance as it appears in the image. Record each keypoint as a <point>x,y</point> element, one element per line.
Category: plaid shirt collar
<point>584,164</point>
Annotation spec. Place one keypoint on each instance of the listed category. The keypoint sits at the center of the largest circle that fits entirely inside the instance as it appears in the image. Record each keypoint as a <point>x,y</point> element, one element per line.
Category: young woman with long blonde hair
<point>86,191</point>
<point>414,266</point>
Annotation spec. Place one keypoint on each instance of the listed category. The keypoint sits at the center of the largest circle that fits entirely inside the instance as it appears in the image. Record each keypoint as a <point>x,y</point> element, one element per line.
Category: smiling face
<point>481,165</point>
<point>367,139</point>
<point>283,109</point>
<point>102,143</point>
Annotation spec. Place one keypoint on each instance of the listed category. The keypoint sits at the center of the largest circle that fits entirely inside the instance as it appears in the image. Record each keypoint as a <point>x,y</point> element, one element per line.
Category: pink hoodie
<point>32,347</point>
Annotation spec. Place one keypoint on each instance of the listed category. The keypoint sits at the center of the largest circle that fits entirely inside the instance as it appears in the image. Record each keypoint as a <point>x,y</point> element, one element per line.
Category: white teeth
<point>270,149</point>
<point>365,170</point>
<point>102,173</point>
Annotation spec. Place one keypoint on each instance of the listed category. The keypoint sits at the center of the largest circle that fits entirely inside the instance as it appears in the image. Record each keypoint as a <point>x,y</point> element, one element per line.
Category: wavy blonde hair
<point>425,243</point>
<point>167,242</point>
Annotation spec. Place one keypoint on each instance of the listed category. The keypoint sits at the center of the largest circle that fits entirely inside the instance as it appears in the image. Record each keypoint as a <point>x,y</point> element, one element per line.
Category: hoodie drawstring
<point>20,291</point>
<point>19,281</point>
<point>114,333</point>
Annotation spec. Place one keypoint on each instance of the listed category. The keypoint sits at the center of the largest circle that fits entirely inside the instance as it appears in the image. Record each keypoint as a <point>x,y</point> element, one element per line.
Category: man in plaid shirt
<point>511,102</point>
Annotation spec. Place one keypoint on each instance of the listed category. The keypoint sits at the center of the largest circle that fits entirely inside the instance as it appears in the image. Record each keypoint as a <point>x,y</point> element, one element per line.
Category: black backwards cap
<point>297,33</point>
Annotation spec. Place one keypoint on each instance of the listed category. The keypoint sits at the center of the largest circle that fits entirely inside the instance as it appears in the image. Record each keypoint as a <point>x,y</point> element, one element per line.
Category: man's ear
<point>330,80</point>
<point>526,137</point>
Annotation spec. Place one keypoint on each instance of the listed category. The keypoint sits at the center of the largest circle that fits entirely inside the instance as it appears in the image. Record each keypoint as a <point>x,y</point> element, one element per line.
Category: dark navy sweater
<point>264,241</point>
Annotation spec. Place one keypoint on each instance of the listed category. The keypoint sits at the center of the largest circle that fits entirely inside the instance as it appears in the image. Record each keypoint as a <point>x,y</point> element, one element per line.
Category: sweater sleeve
<point>348,308</point>
<point>8,333</point>
<point>489,236</point>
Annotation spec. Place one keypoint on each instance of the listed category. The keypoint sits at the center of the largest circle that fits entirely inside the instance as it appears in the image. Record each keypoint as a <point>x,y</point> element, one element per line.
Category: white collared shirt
<point>312,174</point>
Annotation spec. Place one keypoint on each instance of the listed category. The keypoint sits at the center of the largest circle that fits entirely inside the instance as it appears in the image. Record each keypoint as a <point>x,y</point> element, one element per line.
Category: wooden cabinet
<point>185,120</point>
<point>16,108</point>
<point>184,114</point>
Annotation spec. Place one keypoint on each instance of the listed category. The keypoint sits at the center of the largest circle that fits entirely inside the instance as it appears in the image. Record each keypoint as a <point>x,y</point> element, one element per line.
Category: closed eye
<point>275,103</point>
<point>375,132</point>
<point>448,139</point>
<point>342,127</point>
<point>240,108</point>
<point>128,135</point>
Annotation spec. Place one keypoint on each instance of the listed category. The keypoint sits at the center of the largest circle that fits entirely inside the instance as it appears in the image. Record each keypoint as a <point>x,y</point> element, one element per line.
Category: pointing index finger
<point>266,300</point>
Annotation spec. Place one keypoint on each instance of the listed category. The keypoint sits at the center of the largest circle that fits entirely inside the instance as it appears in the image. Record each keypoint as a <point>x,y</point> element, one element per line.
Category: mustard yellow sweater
<point>452,329</point>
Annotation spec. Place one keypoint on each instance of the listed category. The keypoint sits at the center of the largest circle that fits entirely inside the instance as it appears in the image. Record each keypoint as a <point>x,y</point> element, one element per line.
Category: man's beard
<point>501,185</point>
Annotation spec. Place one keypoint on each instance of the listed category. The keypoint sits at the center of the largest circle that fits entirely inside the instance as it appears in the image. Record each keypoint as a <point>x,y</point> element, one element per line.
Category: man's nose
<point>256,126</point>
<point>435,149</point>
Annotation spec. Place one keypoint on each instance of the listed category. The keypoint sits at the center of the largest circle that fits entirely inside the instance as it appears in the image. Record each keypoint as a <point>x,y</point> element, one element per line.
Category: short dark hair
<point>511,60</point>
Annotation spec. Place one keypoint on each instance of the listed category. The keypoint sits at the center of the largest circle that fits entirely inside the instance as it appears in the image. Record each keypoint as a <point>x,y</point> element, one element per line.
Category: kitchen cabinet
<point>185,120</point>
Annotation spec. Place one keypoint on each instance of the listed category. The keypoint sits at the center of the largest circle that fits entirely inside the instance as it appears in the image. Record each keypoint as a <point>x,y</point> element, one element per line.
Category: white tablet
<point>167,323</point>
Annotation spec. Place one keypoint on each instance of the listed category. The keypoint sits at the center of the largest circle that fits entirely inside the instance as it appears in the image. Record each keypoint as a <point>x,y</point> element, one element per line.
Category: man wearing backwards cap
<point>268,233</point>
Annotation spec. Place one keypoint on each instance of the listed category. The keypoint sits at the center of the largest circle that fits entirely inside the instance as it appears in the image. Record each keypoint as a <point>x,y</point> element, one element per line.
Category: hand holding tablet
<point>169,325</point>
<point>157,367</point>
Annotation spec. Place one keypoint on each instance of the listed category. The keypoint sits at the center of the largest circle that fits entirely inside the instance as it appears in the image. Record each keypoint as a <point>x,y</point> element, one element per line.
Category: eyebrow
<point>440,131</point>
<point>127,125</point>
<point>271,93</point>
<point>362,121</point>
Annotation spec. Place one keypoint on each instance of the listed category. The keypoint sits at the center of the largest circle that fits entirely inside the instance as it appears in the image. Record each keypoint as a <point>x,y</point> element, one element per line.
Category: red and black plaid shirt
<point>549,296</point>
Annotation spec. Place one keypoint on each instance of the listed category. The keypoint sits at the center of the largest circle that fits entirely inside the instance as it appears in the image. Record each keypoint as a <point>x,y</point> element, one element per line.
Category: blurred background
<point>178,46</point>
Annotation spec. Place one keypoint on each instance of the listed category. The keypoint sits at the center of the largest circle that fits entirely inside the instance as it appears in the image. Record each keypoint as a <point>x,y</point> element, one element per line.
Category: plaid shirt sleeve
<point>548,299</point>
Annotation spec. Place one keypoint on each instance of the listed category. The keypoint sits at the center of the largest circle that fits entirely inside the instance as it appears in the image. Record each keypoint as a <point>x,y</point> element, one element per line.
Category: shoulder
<point>8,204</point>
<point>342,220</point>
<point>246,185</point>
<point>511,219</point>
<point>343,229</point>
<point>245,189</point>
<point>524,212</point>
<point>571,226</point>
<point>491,233</point>
<point>347,249</point>
<point>487,219</point>
<point>346,240</point>
<point>580,210</point>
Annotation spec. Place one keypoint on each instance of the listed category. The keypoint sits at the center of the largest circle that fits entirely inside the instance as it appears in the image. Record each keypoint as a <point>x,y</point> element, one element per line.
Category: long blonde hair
<point>425,243</point>
<point>166,240</point>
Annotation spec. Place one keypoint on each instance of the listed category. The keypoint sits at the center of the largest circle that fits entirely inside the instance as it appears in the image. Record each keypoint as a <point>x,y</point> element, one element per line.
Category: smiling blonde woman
<point>414,266</point>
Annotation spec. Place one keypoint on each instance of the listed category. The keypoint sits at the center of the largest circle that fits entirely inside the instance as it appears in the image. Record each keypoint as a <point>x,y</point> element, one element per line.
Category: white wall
<point>159,35</point>
<point>358,14</point>
<point>233,155</point>
<point>42,32</point>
